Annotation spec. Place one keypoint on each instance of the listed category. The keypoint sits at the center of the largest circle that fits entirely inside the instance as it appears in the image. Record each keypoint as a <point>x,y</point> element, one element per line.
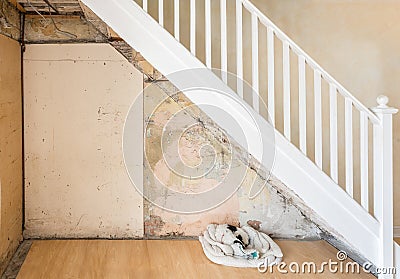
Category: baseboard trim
<point>396,231</point>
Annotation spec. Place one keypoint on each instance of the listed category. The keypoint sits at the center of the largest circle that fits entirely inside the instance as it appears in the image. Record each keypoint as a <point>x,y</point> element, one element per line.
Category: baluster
<point>193,27</point>
<point>254,53</point>
<point>208,32</point>
<point>349,145</point>
<point>302,105</point>
<point>161,12</point>
<point>333,132</point>
<point>271,74</point>
<point>286,89</point>
<point>176,19</point>
<point>383,180</point>
<point>239,48</point>
<point>364,159</point>
<point>318,118</point>
<point>145,5</point>
<point>224,47</point>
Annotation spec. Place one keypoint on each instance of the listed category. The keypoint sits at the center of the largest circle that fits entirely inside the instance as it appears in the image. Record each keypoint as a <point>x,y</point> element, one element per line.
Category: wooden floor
<point>156,259</point>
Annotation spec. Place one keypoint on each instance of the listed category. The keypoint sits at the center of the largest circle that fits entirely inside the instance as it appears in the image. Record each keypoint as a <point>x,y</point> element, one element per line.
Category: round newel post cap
<point>383,107</point>
<point>382,101</point>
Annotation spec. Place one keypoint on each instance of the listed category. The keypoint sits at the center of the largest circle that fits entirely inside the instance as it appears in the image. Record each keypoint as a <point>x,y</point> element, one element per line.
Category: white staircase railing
<point>381,120</point>
<point>374,128</point>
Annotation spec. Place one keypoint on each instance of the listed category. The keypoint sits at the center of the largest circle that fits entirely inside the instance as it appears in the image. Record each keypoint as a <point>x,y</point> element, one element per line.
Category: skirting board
<point>396,231</point>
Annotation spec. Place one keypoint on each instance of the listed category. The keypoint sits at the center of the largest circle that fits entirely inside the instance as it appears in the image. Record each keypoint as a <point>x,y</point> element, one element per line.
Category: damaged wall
<point>76,100</point>
<point>10,22</point>
<point>270,210</point>
<point>61,29</point>
<point>10,149</point>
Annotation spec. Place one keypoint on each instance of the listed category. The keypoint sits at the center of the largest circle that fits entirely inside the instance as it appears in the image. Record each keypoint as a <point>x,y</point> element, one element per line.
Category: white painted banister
<point>318,118</point>
<point>176,19</point>
<point>239,48</point>
<point>193,27</point>
<point>286,90</point>
<point>145,5</point>
<point>348,116</point>
<point>271,74</point>
<point>224,44</point>
<point>364,160</point>
<point>254,62</point>
<point>333,132</point>
<point>302,105</point>
<point>383,181</point>
<point>208,32</point>
<point>161,12</point>
<point>283,37</point>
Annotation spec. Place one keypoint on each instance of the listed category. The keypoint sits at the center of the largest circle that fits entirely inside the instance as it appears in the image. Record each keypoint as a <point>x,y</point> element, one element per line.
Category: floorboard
<point>157,259</point>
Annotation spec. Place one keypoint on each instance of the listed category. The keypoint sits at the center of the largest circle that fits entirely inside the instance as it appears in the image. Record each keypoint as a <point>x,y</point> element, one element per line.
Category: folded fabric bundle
<point>239,247</point>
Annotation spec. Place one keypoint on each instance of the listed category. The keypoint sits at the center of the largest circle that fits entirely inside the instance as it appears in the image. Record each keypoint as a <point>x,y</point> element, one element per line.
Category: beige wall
<point>76,101</point>
<point>357,42</point>
<point>10,149</point>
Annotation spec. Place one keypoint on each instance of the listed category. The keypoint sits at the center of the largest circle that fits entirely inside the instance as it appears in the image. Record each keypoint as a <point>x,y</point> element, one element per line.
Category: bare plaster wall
<point>270,211</point>
<point>10,149</point>
<point>76,101</point>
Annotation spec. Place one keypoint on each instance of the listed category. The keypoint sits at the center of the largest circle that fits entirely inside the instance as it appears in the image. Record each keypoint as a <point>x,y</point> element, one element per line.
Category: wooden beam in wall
<point>61,29</point>
<point>17,5</point>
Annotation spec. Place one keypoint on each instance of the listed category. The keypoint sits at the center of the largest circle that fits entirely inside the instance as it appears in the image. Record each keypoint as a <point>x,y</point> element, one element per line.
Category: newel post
<point>383,180</point>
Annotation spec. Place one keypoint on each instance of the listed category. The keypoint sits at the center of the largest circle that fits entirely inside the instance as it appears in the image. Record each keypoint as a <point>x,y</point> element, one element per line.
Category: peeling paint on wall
<point>273,213</point>
<point>159,222</point>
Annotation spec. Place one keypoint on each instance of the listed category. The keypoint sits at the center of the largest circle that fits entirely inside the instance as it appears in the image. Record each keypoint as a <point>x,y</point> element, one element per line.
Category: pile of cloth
<point>239,247</point>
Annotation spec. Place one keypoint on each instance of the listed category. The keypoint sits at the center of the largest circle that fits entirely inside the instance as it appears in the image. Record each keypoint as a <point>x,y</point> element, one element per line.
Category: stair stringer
<point>330,202</point>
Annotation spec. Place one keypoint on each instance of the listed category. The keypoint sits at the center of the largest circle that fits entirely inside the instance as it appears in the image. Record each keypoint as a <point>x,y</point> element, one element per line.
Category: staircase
<point>317,181</point>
